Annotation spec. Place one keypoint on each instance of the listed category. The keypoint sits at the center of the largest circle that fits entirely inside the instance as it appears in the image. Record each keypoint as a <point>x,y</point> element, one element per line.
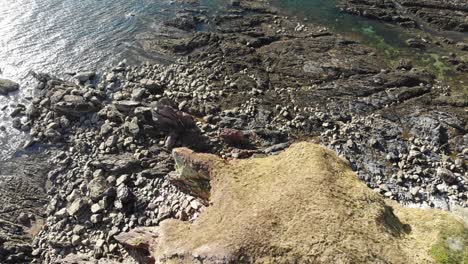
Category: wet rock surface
<point>22,200</point>
<point>247,88</point>
<point>7,86</point>
<point>444,15</point>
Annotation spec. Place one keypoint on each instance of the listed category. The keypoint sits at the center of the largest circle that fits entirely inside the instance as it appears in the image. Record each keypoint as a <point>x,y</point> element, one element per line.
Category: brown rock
<point>193,172</point>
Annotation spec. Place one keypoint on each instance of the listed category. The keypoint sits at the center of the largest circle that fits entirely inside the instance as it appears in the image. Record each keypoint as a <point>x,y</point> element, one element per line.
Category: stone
<point>78,229</point>
<point>462,46</point>
<point>137,94</point>
<point>74,105</point>
<point>139,239</point>
<point>125,195</point>
<point>96,218</point>
<point>97,187</point>
<point>446,175</point>
<point>117,164</point>
<point>76,240</point>
<point>441,187</point>
<point>166,118</point>
<point>123,179</point>
<point>78,208</point>
<point>23,219</point>
<point>73,195</point>
<point>415,190</point>
<point>96,208</point>
<point>170,142</point>
<point>415,43</point>
<point>132,127</point>
<point>126,106</point>
<point>62,213</point>
<point>151,85</point>
<point>111,141</point>
<point>192,172</point>
<point>413,154</point>
<point>83,77</point>
<point>233,137</point>
<point>277,147</point>
<point>7,86</point>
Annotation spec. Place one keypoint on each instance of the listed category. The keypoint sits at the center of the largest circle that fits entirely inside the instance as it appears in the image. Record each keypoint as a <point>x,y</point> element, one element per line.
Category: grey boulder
<point>7,86</point>
<point>83,77</point>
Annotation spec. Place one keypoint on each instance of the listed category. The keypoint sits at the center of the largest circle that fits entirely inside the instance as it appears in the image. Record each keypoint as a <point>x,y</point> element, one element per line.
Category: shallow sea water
<point>60,36</point>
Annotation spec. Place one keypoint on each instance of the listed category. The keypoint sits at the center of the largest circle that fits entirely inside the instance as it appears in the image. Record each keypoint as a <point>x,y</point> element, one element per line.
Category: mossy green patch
<point>451,247</point>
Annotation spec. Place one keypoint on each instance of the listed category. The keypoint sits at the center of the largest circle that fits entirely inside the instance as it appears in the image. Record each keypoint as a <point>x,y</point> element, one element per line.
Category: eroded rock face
<point>285,209</point>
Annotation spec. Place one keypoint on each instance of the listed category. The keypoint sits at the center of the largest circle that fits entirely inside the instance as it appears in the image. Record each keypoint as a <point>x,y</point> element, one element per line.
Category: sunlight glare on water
<point>58,36</point>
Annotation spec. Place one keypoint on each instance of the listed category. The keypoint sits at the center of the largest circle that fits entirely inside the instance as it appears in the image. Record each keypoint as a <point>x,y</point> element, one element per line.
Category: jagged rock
<point>192,172</point>
<point>138,238</point>
<point>78,208</point>
<point>277,147</point>
<point>463,46</point>
<point>415,43</point>
<point>86,259</point>
<point>132,127</point>
<point>96,218</point>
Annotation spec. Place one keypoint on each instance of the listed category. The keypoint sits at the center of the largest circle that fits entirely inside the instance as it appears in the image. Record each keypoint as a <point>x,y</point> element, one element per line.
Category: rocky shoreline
<point>443,15</point>
<point>249,88</point>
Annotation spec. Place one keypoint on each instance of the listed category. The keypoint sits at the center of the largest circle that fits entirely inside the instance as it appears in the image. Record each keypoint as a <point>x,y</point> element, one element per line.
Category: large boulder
<point>75,105</point>
<point>7,86</point>
<point>168,119</point>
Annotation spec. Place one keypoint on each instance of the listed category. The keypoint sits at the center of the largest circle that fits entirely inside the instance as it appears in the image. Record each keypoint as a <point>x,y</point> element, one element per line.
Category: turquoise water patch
<point>327,14</point>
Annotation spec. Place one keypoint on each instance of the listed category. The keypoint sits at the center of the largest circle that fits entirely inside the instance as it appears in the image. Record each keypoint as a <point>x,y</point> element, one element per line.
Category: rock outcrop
<point>303,206</point>
<point>444,15</point>
<point>251,86</point>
